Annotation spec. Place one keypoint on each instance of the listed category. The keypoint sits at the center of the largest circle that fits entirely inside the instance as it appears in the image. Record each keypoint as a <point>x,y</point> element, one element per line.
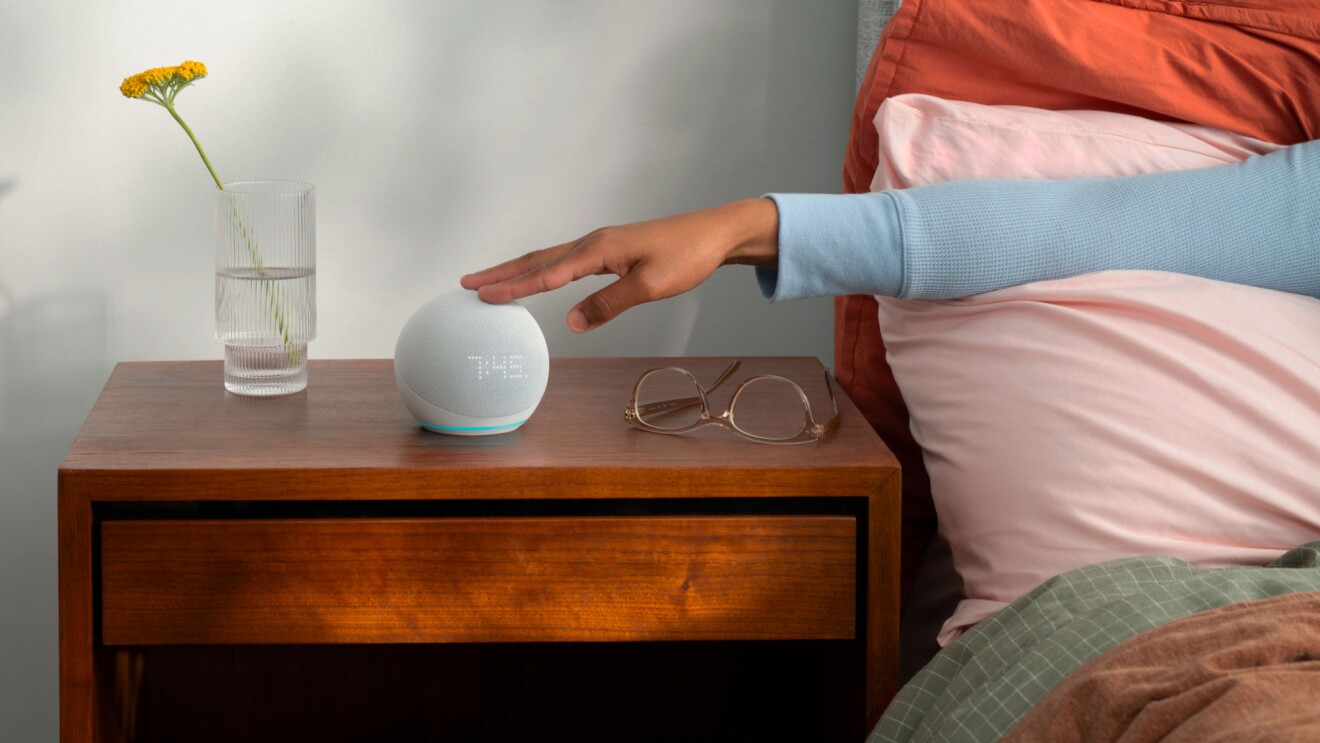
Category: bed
<point>1132,519</point>
<point>1139,649</point>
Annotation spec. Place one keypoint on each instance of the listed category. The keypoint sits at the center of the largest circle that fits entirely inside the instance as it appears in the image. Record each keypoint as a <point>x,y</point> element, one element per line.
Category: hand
<point>654,260</point>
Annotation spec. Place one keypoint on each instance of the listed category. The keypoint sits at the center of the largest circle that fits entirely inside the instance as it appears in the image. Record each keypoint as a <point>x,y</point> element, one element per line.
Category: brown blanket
<point>1243,672</point>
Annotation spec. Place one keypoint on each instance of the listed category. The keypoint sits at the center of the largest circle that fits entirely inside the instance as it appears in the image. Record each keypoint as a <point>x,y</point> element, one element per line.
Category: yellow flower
<point>190,70</point>
<point>133,87</point>
<point>161,84</point>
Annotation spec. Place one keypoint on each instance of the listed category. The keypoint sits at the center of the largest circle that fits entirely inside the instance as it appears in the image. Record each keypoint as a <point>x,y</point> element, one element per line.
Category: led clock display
<point>498,367</point>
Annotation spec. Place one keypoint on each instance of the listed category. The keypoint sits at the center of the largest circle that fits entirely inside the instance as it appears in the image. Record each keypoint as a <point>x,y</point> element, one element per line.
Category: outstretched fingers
<point>513,268</point>
<point>545,271</point>
<point>552,268</point>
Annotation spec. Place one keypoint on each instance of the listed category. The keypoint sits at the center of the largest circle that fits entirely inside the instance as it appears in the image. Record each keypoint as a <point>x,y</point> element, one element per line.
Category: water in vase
<point>265,317</point>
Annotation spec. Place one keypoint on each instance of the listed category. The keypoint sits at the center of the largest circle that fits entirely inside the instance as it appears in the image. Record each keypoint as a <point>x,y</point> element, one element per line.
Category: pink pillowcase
<point>926,140</point>
<point>1070,422</point>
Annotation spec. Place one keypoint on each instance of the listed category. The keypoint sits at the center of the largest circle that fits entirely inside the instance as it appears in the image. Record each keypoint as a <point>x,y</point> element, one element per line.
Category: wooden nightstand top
<point>349,436</point>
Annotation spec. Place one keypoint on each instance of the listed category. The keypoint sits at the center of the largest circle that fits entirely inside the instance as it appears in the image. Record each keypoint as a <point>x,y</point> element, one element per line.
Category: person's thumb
<point>607,304</point>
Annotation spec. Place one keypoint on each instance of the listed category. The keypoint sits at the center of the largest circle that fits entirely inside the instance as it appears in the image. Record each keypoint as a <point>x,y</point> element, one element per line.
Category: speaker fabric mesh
<point>473,358</point>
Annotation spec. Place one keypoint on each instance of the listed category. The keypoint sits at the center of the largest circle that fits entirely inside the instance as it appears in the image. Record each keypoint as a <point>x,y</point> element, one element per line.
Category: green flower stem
<point>269,289</point>
<point>170,107</point>
<point>164,97</point>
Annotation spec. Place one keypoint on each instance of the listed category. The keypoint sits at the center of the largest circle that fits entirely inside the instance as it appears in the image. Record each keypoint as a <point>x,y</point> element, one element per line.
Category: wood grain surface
<point>478,580</point>
<point>168,430</point>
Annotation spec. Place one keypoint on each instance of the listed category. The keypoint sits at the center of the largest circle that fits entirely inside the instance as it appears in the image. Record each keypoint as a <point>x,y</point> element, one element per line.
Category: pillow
<point>1070,422</point>
<point>1242,65</point>
<point>923,139</point>
<point>1247,66</point>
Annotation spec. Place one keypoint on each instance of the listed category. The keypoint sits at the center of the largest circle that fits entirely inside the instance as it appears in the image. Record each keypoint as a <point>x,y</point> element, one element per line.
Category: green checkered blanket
<point>980,686</point>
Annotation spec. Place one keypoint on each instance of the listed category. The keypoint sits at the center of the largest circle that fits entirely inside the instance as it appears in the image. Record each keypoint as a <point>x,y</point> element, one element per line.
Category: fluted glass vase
<point>265,284</point>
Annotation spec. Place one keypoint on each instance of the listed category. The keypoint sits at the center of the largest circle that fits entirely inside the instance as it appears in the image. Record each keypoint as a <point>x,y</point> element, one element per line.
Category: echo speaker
<point>469,368</point>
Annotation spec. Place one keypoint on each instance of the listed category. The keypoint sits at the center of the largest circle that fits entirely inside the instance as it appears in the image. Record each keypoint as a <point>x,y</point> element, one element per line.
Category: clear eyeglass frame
<point>812,430</point>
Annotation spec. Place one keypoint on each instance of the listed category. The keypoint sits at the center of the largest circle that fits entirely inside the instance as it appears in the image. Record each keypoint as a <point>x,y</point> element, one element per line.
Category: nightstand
<point>319,567</point>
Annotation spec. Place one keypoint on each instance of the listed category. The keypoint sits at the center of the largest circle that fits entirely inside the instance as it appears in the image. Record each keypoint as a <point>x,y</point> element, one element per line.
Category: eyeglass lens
<point>767,408</point>
<point>669,385</point>
<point>770,409</point>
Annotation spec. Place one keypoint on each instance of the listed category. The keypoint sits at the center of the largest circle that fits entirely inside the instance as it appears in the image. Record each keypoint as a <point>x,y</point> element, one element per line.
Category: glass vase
<point>265,284</point>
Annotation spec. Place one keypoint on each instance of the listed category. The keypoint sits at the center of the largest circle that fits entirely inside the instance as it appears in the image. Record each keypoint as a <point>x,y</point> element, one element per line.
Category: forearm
<point>1255,223</point>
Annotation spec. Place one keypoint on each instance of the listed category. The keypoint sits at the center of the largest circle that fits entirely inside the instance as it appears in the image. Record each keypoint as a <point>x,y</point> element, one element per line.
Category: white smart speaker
<point>468,368</point>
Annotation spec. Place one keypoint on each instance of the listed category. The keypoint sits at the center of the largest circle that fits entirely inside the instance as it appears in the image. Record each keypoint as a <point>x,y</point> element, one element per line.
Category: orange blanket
<point>1248,671</point>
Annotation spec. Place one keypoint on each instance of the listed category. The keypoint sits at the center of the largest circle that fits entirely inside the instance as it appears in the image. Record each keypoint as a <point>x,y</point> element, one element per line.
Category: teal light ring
<point>470,428</point>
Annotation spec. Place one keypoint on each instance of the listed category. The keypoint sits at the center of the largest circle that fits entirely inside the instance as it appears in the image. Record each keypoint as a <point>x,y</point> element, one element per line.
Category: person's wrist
<point>756,242</point>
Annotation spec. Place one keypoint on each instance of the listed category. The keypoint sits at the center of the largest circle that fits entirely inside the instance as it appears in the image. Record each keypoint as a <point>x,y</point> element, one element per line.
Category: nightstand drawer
<point>478,579</point>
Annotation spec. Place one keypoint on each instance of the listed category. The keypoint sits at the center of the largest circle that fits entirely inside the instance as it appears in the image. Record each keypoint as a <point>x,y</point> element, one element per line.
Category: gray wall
<point>443,136</point>
<point>872,15</point>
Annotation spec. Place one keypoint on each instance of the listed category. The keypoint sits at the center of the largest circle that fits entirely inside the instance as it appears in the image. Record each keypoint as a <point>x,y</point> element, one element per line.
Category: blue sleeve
<point>1256,222</point>
<point>832,244</point>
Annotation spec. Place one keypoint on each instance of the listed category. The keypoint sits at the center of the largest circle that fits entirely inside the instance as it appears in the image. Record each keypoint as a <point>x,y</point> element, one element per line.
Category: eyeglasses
<point>765,408</point>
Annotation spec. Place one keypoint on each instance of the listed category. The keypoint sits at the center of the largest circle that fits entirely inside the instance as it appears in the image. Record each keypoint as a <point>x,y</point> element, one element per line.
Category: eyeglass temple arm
<point>728,372</point>
<point>652,409</point>
<point>829,386</point>
<point>831,425</point>
<point>681,403</point>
